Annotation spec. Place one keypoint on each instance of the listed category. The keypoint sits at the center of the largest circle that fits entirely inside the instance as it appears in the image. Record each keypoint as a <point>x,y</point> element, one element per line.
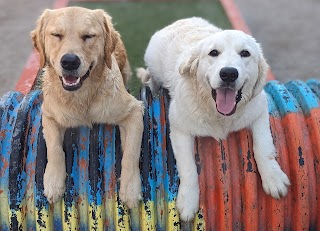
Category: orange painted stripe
<point>280,215</point>
<point>29,73</point>
<point>223,183</point>
<point>249,189</point>
<point>205,148</point>
<point>235,168</point>
<point>313,124</point>
<point>296,141</point>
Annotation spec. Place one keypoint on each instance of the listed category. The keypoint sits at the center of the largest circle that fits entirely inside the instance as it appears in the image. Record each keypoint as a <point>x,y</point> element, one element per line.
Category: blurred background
<point>286,29</point>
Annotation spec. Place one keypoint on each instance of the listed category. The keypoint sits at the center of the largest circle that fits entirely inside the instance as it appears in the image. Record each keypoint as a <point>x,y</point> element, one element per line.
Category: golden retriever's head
<point>73,41</point>
<point>231,65</point>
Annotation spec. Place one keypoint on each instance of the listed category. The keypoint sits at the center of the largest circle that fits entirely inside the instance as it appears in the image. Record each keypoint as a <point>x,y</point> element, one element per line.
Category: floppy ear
<point>37,36</point>
<point>111,36</point>
<point>189,67</point>
<point>262,75</point>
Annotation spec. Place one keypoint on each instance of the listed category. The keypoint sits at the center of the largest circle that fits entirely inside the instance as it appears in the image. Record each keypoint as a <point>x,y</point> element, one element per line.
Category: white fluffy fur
<point>177,59</point>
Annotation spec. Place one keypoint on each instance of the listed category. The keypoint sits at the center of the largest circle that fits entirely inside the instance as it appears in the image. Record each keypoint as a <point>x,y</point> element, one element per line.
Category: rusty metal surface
<point>231,197</point>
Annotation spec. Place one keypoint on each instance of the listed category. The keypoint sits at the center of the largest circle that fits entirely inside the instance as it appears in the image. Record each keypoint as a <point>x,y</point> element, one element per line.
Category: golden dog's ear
<point>262,75</point>
<point>37,36</point>
<point>111,36</point>
<point>190,66</point>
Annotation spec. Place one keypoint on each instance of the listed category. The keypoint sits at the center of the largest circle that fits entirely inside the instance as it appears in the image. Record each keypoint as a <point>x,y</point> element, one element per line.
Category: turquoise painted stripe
<point>159,160</point>
<point>272,107</point>
<point>314,85</point>
<point>283,98</point>
<point>8,114</point>
<point>32,142</point>
<point>19,130</point>
<point>83,179</point>
<point>304,95</point>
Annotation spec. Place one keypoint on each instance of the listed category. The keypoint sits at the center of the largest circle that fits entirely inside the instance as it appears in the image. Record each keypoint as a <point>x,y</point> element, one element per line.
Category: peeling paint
<point>231,196</point>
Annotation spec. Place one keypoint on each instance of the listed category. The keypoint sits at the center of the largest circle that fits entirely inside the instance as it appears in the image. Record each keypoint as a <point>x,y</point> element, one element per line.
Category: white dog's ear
<point>37,36</point>
<point>189,67</point>
<point>262,75</point>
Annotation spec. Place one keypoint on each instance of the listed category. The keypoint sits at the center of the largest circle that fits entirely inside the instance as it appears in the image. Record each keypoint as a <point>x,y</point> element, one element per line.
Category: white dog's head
<point>231,65</point>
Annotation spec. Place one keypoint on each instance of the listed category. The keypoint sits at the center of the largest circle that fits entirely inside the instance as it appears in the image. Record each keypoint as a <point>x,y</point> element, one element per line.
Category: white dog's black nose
<point>229,74</point>
<point>70,62</point>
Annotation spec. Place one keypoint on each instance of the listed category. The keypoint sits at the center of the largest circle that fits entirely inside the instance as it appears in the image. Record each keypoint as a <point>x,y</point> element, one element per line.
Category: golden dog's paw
<point>188,201</point>
<point>275,182</point>
<point>54,183</point>
<point>130,189</point>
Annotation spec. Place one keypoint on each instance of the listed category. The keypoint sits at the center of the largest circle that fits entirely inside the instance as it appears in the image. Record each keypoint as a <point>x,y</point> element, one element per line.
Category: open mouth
<point>72,82</point>
<point>226,100</point>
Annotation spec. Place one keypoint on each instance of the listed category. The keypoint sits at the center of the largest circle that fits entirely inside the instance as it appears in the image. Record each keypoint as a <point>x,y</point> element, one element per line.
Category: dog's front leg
<point>55,173</point>
<point>274,181</point>
<point>188,194</point>
<point>131,130</point>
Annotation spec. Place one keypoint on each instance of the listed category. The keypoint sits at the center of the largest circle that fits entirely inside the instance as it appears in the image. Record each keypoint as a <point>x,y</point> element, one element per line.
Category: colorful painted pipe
<point>231,197</point>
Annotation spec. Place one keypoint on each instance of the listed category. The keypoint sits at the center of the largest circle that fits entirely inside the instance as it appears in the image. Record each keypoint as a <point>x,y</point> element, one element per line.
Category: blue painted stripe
<point>159,160</point>
<point>32,142</point>
<point>7,107</point>
<point>304,96</point>
<point>283,98</point>
<point>314,85</point>
<point>272,107</point>
<point>17,165</point>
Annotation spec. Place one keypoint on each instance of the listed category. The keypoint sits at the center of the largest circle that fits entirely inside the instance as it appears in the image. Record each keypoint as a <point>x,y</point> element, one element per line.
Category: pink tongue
<point>226,100</point>
<point>71,78</point>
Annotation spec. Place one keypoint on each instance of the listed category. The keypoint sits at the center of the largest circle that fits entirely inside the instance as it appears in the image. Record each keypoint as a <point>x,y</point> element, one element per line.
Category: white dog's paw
<point>54,182</point>
<point>188,201</point>
<point>130,189</point>
<point>275,182</point>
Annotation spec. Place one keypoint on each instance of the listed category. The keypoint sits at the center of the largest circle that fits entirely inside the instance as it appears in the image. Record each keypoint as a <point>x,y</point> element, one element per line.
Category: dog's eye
<point>87,36</point>
<point>214,53</point>
<point>244,53</point>
<point>57,35</point>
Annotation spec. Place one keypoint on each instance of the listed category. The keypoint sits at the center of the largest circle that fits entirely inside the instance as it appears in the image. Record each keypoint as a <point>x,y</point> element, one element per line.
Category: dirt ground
<point>287,30</point>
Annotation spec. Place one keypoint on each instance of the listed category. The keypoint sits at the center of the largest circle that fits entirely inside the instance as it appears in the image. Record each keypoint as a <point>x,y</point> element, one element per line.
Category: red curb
<point>31,68</point>
<point>238,23</point>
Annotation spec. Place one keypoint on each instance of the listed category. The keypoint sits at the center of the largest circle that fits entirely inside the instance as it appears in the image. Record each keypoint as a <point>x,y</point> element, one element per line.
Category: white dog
<point>215,79</point>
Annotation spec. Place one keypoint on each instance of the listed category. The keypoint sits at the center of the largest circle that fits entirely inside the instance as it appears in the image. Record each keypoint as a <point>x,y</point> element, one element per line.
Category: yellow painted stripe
<point>44,220</point>
<point>4,210</point>
<point>173,216</point>
<point>199,222</point>
<point>96,217</point>
<point>148,216</point>
<point>121,215</point>
<point>70,217</point>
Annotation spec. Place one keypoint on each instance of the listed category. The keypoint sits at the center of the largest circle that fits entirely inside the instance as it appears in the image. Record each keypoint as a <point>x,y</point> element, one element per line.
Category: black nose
<point>70,62</point>
<point>229,74</point>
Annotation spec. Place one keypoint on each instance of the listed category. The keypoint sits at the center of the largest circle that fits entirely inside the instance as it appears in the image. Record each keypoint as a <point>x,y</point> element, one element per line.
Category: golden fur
<point>101,98</point>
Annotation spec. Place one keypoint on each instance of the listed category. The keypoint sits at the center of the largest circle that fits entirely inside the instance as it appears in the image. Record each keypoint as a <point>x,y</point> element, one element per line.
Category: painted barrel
<point>231,195</point>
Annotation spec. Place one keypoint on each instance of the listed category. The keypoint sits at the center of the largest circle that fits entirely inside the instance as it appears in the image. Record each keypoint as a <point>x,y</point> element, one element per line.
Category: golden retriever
<point>215,79</point>
<point>86,66</point>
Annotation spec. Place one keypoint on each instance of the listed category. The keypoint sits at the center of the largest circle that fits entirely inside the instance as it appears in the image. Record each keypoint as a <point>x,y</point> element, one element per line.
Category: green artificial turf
<point>138,21</point>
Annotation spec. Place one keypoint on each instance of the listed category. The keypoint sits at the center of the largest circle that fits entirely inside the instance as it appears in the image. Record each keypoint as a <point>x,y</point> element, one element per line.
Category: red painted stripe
<point>29,73</point>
